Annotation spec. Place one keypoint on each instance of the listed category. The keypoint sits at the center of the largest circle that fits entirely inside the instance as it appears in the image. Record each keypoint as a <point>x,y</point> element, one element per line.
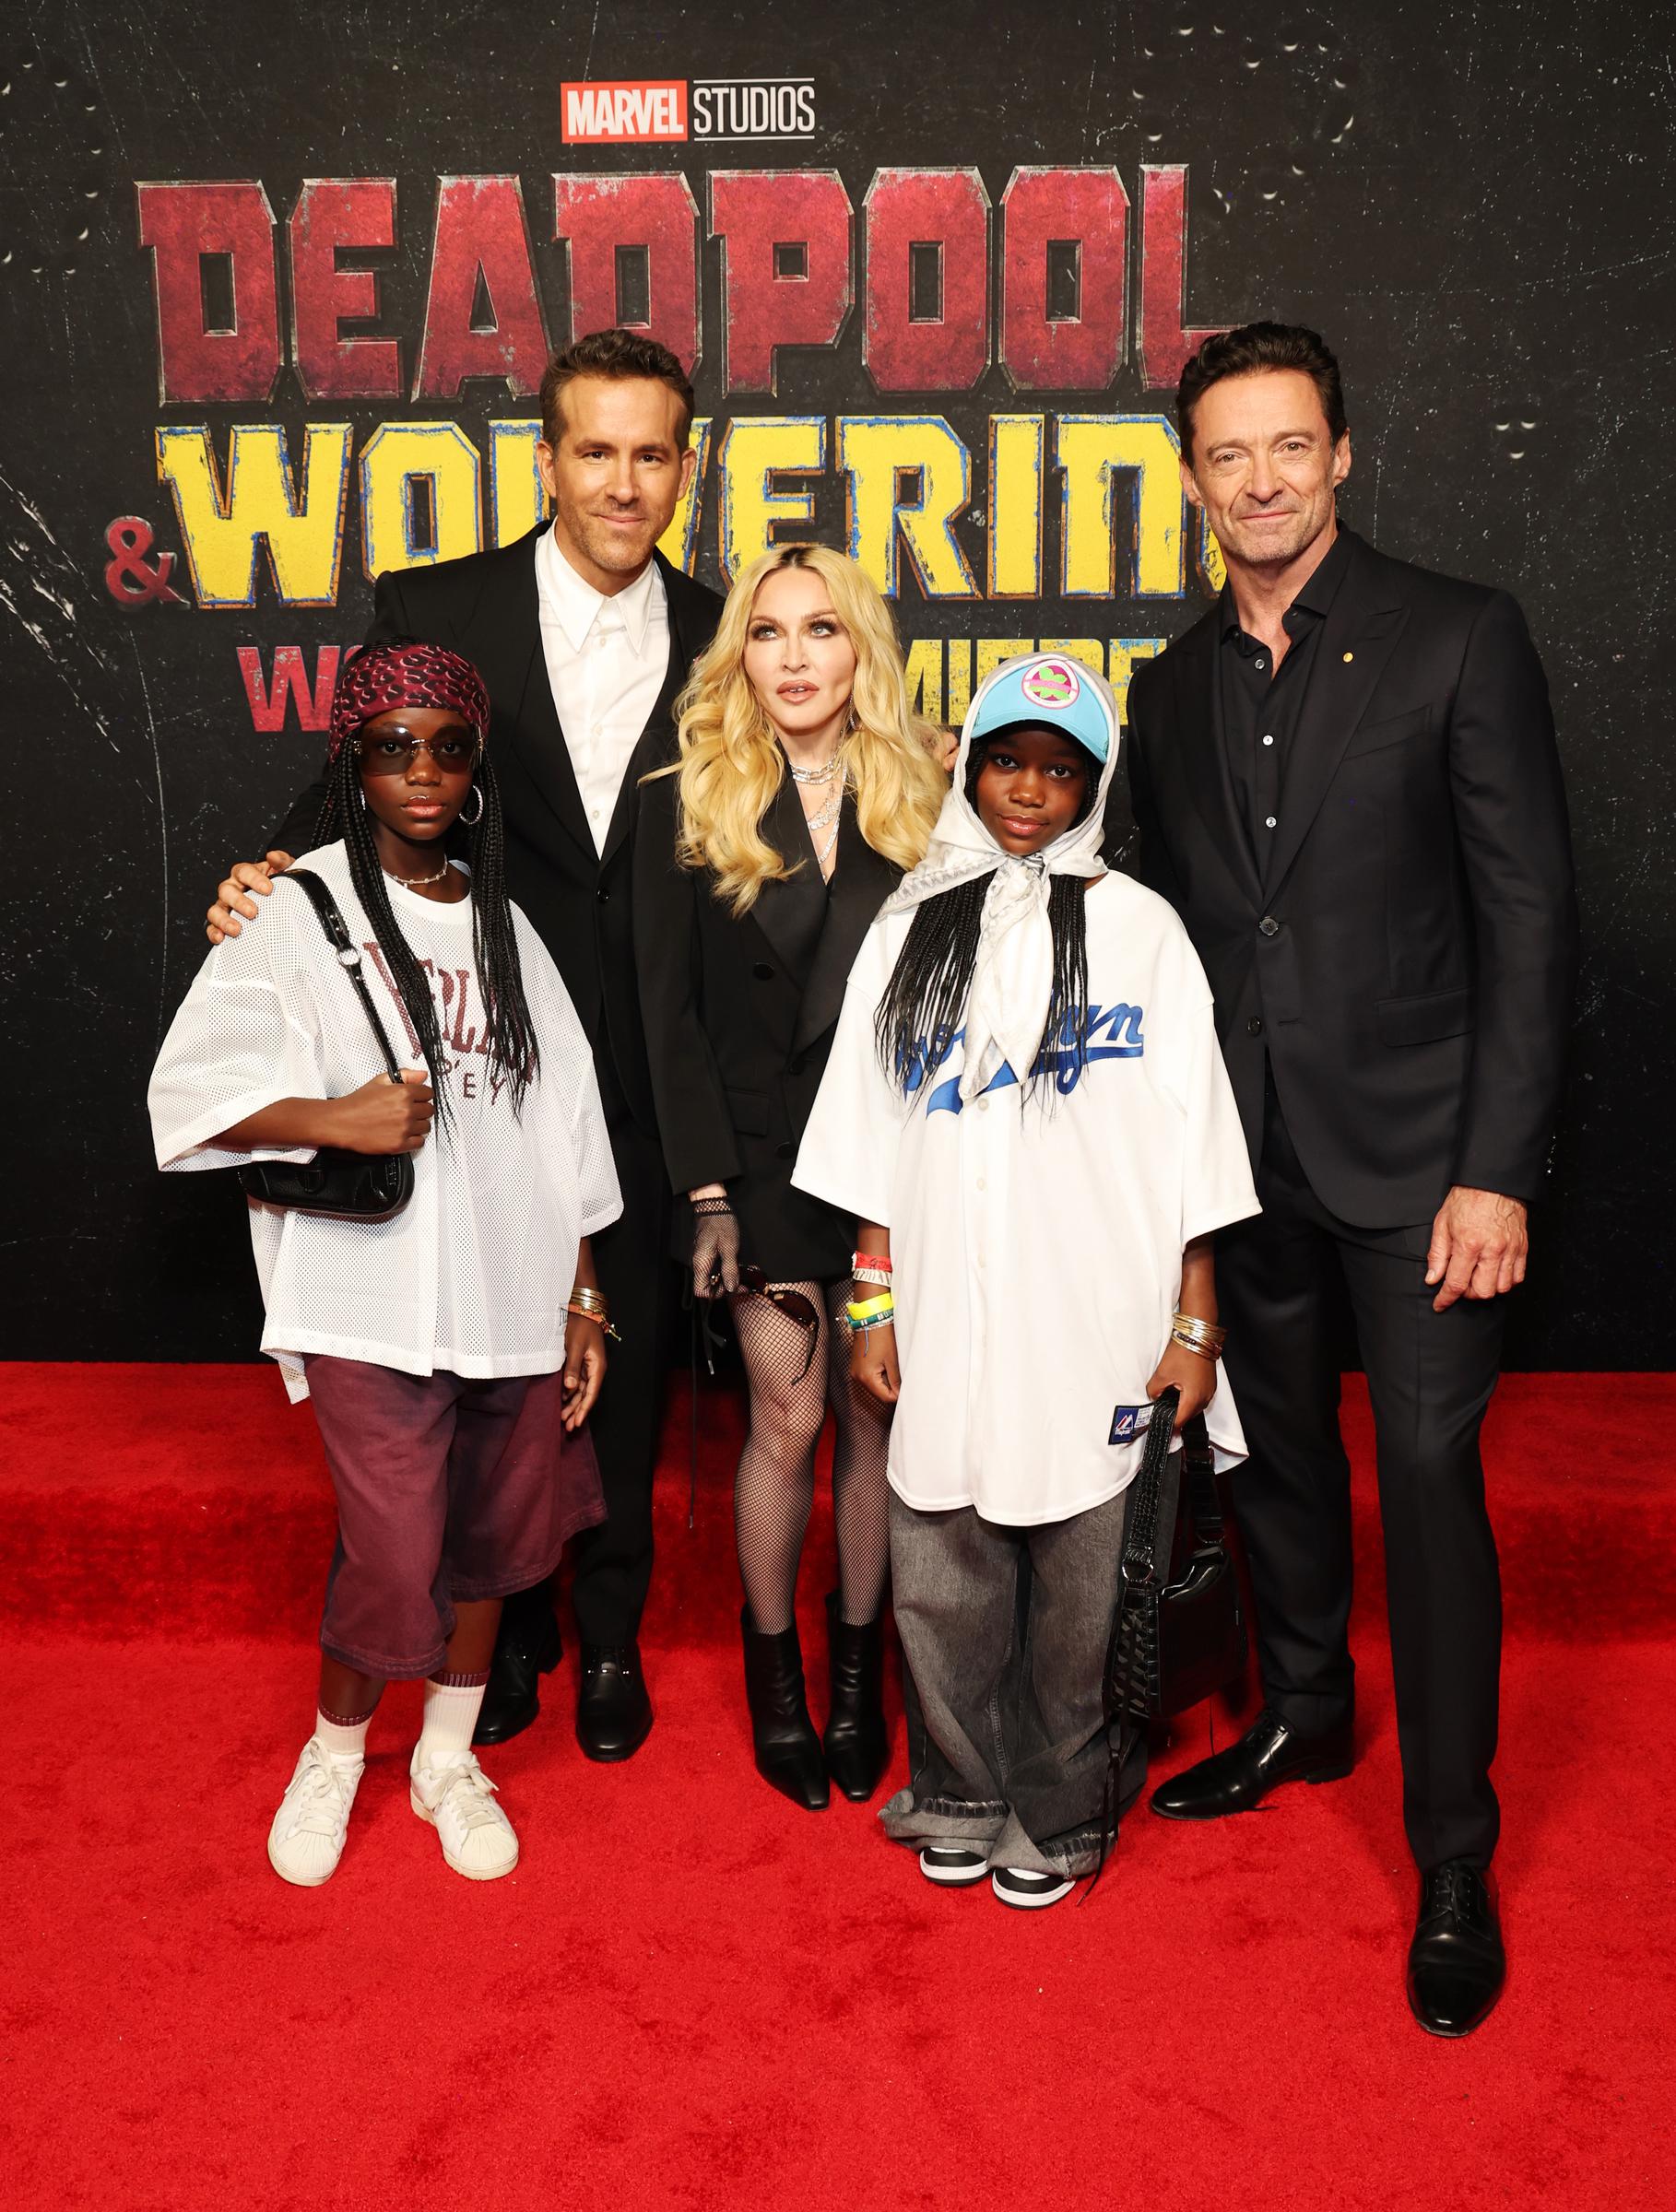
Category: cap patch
<point>1051,684</point>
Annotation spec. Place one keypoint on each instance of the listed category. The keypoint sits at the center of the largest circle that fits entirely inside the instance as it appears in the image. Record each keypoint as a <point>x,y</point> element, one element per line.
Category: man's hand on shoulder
<point>233,897</point>
<point>1480,1243</point>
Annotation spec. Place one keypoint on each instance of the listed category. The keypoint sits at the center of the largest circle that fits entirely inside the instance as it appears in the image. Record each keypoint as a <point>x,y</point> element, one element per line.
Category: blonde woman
<point>803,790</point>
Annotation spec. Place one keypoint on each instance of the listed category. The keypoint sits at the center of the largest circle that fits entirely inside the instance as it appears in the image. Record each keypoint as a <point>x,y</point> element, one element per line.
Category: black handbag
<point>363,1185</point>
<point>1179,1634</point>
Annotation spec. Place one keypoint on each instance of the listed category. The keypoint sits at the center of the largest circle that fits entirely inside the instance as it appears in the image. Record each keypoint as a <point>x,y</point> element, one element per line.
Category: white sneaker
<point>1023,1886</point>
<point>458,1799</point>
<point>306,1840</point>
<point>953,1865</point>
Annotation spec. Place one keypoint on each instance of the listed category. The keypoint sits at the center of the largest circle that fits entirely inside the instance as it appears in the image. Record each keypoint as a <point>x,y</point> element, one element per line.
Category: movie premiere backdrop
<point>279,282</point>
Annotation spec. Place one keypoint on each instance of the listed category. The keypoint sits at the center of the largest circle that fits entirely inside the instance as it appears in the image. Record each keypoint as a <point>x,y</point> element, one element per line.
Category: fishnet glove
<point>715,1248</point>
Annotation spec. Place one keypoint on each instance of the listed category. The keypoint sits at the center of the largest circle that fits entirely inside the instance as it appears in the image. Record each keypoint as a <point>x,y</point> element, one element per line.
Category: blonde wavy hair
<point>731,763</point>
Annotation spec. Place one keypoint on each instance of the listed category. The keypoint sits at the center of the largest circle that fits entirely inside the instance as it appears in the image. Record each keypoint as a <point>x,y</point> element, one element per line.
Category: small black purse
<point>362,1185</point>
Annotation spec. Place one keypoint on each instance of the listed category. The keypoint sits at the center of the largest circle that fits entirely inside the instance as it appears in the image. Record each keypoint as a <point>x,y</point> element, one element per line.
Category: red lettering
<point>464,1039</point>
<point>1083,213</point>
<point>235,356</point>
<point>268,702</point>
<point>481,230</point>
<point>598,217</point>
<point>1166,346</point>
<point>786,246</point>
<point>941,215</point>
<point>334,214</point>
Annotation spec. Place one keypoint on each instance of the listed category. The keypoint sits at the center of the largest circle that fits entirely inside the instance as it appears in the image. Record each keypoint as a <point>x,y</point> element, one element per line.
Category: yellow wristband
<point>872,1309</point>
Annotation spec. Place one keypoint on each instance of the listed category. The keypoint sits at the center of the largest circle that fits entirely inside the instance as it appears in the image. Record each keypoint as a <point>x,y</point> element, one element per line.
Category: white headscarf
<point>1013,983</point>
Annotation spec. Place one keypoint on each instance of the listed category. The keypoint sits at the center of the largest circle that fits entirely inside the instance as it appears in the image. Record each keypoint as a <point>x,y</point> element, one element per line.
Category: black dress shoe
<point>858,1749</point>
<point>1237,1780</point>
<point>1457,1964</point>
<point>613,1714</point>
<point>788,1751</point>
<point>527,1648</point>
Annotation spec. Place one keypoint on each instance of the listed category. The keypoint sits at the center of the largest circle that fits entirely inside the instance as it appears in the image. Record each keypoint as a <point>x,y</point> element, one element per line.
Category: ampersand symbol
<point>129,578</point>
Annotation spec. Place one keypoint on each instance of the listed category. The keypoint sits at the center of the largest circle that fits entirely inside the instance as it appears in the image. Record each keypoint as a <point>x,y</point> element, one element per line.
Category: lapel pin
<point>1350,656</point>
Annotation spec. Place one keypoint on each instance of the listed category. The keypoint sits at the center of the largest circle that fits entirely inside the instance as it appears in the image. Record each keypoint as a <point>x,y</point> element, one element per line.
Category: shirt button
<point>785,1151</point>
<point>762,972</point>
<point>1260,662</point>
<point>1269,821</point>
<point>1268,927</point>
<point>982,1184</point>
<point>1254,1027</point>
<point>1269,741</point>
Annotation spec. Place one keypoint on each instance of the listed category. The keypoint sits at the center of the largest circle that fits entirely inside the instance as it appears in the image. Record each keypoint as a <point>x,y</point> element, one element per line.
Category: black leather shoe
<point>1457,1964</point>
<point>788,1751</point>
<point>613,1713</point>
<point>527,1648</point>
<point>857,1750</point>
<point>1237,1780</point>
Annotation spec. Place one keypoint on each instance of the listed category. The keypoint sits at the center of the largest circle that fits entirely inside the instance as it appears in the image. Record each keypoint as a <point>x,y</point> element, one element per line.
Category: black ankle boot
<point>857,1750</point>
<point>788,1750</point>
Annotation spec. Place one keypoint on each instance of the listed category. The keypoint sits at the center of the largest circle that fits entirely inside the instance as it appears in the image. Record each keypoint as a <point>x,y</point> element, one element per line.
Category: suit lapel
<point>1357,639</point>
<point>653,749</point>
<point>791,914</point>
<point>505,642</point>
<point>861,883</point>
<point>1204,761</point>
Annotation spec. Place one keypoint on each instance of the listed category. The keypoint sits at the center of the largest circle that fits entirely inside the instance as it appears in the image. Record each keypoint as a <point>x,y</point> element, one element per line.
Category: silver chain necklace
<point>412,882</point>
<point>823,774</point>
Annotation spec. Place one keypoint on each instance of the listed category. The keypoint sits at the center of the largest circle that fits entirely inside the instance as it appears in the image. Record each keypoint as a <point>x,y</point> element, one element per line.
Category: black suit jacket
<point>739,1017</point>
<point>1405,959</point>
<point>485,606</point>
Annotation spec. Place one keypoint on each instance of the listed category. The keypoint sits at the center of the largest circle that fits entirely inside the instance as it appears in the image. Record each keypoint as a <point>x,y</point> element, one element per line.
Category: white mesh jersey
<point>1037,1244</point>
<point>475,1273</point>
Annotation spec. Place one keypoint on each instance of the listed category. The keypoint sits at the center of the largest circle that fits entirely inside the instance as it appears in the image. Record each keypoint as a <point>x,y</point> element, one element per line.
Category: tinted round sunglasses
<point>394,756</point>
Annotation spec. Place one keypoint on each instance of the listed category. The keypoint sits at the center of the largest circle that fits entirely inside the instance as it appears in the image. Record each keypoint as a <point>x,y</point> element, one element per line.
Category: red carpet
<point>691,1995</point>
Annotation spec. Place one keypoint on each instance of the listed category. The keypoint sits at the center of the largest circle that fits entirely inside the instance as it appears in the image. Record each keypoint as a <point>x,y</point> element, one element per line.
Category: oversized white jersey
<point>474,1275</point>
<point>1037,1244</point>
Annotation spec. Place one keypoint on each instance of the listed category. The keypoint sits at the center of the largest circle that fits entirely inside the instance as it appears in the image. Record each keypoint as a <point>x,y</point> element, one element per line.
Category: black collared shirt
<point>1259,705</point>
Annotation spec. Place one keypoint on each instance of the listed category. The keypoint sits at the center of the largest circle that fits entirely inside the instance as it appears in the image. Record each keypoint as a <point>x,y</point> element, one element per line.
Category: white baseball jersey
<point>474,1275</point>
<point>1037,1243</point>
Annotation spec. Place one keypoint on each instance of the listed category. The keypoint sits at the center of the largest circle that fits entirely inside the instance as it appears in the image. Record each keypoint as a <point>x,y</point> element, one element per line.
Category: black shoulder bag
<point>1179,1633</point>
<point>363,1185</point>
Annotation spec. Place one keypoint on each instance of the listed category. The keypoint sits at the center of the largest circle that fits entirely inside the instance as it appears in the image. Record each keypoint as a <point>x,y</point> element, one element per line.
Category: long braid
<point>927,995</point>
<point>512,1051</point>
<point>1066,1026</point>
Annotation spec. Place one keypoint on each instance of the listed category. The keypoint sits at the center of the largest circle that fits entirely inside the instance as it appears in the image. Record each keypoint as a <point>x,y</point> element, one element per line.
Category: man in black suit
<point>584,610</point>
<point>1344,779</point>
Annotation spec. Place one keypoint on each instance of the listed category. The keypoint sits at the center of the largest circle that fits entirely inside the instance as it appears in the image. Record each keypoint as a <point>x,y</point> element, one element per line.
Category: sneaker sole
<point>953,1878</point>
<point>301,1881</point>
<point>470,1874</point>
<point>1037,1903</point>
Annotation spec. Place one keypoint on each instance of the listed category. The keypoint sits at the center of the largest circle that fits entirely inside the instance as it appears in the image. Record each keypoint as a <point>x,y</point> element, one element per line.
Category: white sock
<point>451,1714</point>
<point>343,1739</point>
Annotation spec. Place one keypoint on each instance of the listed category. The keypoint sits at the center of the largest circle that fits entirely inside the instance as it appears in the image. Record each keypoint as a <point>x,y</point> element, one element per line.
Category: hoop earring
<point>471,821</point>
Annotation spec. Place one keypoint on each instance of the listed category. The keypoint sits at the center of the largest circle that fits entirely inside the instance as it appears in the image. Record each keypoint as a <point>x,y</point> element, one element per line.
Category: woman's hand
<point>232,895</point>
<point>873,1361</point>
<point>715,1247</point>
<point>1194,1376</point>
<point>584,1367</point>
<point>382,1116</point>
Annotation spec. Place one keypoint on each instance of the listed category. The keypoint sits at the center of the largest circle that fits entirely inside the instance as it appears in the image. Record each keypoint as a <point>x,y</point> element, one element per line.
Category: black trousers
<point>613,1563</point>
<point>1282,1281</point>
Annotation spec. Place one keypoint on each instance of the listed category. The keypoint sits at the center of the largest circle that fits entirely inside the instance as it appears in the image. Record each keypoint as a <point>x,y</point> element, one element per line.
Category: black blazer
<point>577,898</point>
<point>739,1016</point>
<point>1407,959</point>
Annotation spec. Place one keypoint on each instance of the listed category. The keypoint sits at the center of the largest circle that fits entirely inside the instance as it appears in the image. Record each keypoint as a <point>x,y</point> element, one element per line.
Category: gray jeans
<point>1004,1633</point>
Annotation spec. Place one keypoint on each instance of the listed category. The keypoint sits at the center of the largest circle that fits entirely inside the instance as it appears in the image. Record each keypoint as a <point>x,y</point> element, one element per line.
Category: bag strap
<point>1199,1464</point>
<point>1140,1543</point>
<point>348,951</point>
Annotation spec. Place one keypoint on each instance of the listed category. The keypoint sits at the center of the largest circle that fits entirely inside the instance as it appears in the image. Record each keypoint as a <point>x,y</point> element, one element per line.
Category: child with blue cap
<point>1026,1111</point>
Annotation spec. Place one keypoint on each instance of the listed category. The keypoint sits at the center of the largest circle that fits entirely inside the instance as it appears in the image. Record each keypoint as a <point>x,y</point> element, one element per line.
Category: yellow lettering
<point>959,679</point>
<point>516,501</point>
<point>678,543</point>
<point>399,456</point>
<point>1089,651</point>
<point>1016,447</point>
<point>755,449</point>
<point>1095,451</point>
<point>992,651</point>
<point>1211,566</point>
<point>301,523</point>
<point>909,477</point>
<point>1125,652</point>
<point>925,677</point>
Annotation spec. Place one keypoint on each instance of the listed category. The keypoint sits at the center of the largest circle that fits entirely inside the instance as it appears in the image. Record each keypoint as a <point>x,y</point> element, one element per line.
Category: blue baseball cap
<point>1048,691</point>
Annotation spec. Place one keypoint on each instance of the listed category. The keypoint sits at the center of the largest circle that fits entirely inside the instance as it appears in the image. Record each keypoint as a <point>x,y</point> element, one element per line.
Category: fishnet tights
<point>774,1491</point>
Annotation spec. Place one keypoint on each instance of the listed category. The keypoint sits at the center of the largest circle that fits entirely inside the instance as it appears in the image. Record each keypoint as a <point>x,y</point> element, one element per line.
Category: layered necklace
<point>823,823</point>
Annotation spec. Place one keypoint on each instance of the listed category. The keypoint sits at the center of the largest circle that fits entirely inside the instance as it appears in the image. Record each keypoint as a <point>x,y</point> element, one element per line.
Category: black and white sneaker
<point>1030,1891</point>
<point>951,1866</point>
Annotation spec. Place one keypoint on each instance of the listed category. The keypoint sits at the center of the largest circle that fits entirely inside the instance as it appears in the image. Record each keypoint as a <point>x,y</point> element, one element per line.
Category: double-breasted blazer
<point>739,1013</point>
<point>578,895</point>
<point>1404,958</point>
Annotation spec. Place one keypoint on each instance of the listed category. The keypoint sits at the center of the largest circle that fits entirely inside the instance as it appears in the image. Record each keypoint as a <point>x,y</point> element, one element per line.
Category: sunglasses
<point>754,1282</point>
<point>393,756</point>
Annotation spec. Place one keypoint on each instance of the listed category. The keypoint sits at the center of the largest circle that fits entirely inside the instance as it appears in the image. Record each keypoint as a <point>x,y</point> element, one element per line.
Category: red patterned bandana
<point>381,676</point>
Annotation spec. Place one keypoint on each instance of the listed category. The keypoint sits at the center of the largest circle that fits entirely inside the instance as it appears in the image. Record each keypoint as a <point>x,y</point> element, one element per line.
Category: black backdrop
<point>1474,204</point>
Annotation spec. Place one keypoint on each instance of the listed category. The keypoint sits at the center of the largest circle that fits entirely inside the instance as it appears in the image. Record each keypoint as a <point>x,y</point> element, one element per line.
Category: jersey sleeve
<point>849,1152</point>
<point>243,1038</point>
<point>1216,1185</point>
<point>567,1068</point>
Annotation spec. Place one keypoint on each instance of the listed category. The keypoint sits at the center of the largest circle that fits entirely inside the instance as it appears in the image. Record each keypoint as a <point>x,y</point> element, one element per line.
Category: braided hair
<point>514,1056</point>
<point>925,1001</point>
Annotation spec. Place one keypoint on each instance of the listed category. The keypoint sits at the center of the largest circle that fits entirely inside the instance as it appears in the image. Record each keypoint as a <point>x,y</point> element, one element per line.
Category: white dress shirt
<point>606,663</point>
<point>1036,1245</point>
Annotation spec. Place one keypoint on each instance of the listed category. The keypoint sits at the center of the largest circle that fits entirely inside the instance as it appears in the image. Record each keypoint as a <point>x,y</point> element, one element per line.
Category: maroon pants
<point>448,1490</point>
